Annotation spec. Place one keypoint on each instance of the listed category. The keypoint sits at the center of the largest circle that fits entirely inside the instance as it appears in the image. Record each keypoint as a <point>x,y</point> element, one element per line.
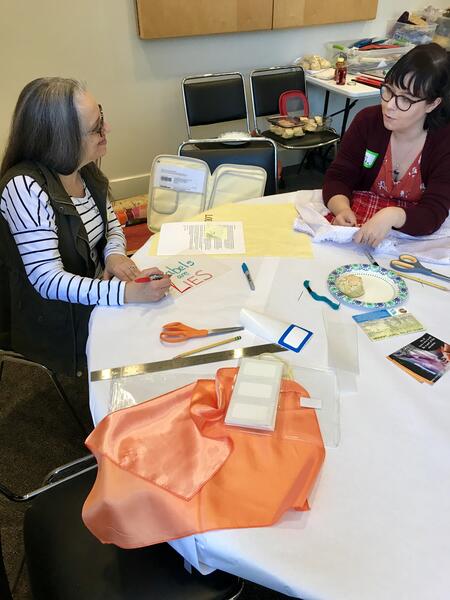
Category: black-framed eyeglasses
<point>98,130</point>
<point>403,103</point>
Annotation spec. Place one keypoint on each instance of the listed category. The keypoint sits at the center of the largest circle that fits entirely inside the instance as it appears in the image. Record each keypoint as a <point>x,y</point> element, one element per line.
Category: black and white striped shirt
<point>31,219</point>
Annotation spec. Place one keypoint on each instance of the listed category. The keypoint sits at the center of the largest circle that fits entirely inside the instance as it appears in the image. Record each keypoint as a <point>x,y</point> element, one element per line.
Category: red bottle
<point>340,74</point>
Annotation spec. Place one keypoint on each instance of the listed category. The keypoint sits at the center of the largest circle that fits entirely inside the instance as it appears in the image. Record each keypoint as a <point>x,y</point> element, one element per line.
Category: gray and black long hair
<point>45,126</point>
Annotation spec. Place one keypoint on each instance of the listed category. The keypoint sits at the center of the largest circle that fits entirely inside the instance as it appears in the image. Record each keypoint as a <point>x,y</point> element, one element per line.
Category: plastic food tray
<point>297,123</point>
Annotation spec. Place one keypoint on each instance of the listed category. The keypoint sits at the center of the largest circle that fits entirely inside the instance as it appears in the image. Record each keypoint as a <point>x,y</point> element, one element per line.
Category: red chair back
<point>293,96</point>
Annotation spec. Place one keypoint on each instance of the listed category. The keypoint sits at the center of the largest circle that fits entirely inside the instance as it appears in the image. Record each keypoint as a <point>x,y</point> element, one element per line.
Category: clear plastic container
<point>334,49</point>
<point>365,60</point>
<point>412,34</point>
<point>442,33</point>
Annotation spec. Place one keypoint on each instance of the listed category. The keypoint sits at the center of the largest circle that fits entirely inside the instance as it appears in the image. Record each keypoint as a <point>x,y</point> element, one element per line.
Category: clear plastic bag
<point>321,384</point>
<point>128,391</point>
<point>323,389</point>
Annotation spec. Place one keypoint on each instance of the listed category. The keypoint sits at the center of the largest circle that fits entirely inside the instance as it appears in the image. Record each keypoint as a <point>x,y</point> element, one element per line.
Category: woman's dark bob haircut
<point>425,72</point>
<point>45,127</point>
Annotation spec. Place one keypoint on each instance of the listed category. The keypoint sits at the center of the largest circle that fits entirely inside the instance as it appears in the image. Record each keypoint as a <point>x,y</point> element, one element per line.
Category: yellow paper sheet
<point>268,229</point>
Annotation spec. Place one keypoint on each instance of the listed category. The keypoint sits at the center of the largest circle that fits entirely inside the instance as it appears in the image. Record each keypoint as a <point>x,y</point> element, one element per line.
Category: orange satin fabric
<point>170,467</point>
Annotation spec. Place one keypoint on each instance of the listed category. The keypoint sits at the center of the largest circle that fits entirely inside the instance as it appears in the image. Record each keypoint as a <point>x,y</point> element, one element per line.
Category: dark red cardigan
<point>347,173</point>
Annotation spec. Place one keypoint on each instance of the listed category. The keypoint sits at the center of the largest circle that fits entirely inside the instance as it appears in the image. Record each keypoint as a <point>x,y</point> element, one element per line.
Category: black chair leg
<point>5,592</point>
<point>325,160</point>
<point>302,162</point>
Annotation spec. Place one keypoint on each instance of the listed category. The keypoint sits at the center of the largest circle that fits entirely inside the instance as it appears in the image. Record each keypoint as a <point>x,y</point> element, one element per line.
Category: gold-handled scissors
<point>410,264</point>
<point>179,332</point>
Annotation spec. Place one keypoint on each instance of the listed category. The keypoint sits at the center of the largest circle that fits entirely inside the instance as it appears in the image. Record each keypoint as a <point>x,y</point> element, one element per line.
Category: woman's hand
<point>379,226</point>
<point>345,217</point>
<point>153,291</point>
<point>339,205</point>
<point>118,265</point>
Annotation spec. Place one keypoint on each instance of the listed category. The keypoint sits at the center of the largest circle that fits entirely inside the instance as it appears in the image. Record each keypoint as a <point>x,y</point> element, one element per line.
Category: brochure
<point>426,359</point>
<point>384,323</point>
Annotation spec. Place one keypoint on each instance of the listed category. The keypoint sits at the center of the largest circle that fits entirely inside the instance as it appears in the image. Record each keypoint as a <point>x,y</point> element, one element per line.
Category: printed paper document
<point>201,238</point>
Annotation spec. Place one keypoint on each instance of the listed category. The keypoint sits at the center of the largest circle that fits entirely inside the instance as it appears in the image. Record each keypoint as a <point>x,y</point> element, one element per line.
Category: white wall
<point>137,81</point>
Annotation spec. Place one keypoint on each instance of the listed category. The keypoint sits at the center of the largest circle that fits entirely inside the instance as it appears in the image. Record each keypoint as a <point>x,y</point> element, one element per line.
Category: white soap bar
<point>254,400</point>
<point>254,389</point>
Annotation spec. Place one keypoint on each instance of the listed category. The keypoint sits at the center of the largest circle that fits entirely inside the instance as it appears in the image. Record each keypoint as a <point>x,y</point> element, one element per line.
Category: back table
<point>352,92</point>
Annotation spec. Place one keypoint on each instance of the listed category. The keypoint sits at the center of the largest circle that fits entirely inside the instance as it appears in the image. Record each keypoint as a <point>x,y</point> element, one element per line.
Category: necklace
<point>405,160</point>
<point>396,169</point>
<point>396,174</point>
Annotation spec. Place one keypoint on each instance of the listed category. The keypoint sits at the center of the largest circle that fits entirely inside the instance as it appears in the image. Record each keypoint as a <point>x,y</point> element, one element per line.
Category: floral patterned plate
<point>382,288</point>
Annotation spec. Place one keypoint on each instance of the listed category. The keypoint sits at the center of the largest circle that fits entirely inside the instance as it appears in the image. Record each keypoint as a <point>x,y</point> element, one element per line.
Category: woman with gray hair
<point>61,245</point>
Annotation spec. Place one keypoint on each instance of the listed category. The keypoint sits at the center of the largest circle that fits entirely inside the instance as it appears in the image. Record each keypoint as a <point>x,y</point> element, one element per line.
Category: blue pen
<point>249,277</point>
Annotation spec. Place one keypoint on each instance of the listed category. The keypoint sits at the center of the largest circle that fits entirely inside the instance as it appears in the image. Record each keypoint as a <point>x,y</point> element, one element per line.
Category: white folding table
<point>351,92</point>
<point>379,524</point>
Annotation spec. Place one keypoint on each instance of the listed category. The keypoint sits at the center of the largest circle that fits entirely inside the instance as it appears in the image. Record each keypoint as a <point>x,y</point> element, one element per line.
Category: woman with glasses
<point>393,165</point>
<point>62,248</point>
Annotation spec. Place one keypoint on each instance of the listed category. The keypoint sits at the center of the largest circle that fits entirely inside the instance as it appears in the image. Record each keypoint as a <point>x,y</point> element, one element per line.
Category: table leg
<point>347,109</point>
<point>325,103</point>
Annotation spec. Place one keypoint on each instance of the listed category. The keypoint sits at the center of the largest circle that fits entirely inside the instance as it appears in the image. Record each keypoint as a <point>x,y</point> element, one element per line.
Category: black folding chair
<point>266,86</point>
<point>258,151</point>
<point>66,562</point>
<point>214,98</point>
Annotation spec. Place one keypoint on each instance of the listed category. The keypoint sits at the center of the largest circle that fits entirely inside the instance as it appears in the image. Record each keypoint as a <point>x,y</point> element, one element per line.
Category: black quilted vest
<point>51,332</point>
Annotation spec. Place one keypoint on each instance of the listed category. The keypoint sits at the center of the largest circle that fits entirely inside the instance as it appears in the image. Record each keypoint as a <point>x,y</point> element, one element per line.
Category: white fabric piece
<point>433,248</point>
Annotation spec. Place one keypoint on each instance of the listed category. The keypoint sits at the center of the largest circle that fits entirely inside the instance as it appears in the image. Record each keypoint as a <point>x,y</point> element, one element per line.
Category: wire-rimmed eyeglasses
<point>403,103</point>
<point>98,130</point>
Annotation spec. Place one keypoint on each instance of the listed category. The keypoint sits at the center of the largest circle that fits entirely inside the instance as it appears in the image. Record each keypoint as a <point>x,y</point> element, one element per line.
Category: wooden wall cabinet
<point>300,13</point>
<point>178,18</point>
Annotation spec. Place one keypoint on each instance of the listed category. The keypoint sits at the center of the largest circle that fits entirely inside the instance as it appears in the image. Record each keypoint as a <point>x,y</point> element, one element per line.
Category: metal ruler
<point>187,361</point>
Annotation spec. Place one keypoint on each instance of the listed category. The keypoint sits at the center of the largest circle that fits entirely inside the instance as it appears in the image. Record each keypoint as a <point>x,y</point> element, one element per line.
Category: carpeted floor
<point>38,433</point>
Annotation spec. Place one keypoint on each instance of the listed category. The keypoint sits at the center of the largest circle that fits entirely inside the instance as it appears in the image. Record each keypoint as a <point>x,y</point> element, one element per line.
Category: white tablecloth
<point>379,525</point>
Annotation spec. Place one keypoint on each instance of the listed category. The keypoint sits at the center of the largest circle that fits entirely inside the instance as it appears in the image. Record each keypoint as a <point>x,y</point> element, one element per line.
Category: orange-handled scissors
<point>173,333</point>
<point>410,264</point>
